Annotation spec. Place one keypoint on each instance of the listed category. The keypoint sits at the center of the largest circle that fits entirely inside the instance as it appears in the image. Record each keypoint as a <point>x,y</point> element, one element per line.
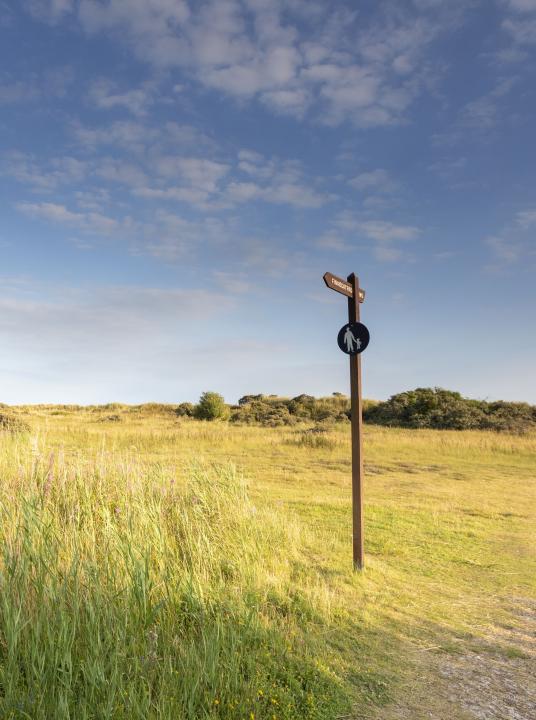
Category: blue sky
<point>176,177</point>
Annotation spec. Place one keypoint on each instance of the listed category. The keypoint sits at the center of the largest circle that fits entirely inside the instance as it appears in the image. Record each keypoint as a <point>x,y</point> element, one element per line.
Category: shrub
<point>211,406</point>
<point>268,413</point>
<point>12,424</point>
<point>185,409</point>
<point>444,409</point>
<point>273,411</point>
<point>245,399</point>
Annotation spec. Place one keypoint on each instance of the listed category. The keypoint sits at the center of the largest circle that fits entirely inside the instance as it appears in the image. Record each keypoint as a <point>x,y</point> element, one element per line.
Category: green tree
<point>211,406</point>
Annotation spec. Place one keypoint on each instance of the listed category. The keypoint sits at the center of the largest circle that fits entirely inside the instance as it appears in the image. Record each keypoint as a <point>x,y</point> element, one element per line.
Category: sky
<point>177,176</point>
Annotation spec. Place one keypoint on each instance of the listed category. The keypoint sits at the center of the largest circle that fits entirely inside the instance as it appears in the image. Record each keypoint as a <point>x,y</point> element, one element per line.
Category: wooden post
<point>357,435</point>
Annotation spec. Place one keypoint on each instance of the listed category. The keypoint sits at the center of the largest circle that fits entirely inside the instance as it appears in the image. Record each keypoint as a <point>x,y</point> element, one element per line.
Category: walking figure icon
<point>353,338</point>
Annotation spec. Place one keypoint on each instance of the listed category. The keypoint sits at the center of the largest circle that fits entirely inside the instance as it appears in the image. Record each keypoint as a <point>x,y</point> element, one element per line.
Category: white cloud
<point>337,67</point>
<point>523,5</point>
<point>504,251</point>
<point>136,136</point>
<point>104,94</point>
<point>253,163</point>
<point>49,11</point>
<point>243,191</point>
<point>188,195</point>
<point>195,180</point>
<point>383,231</point>
<point>447,168</point>
<point>511,244</point>
<point>51,84</point>
<point>294,194</point>
<point>197,172</point>
<point>288,102</point>
<point>387,253</point>
<point>172,236</point>
<point>378,180</point>
<point>275,181</point>
<point>127,134</point>
<point>526,218</point>
<point>521,25</point>
<point>484,112</point>
<point>158,18</point>
<point>212,185</point>
<point>49,211</point>
<point>56,172</point>
<point>122,172</point>
<point>90,222</point>
<point>17,91</point>
<point>146,163</point>
<point>333,241</point>
<point>349,229</point>
<point>168,235</point>
<point>523,31</point>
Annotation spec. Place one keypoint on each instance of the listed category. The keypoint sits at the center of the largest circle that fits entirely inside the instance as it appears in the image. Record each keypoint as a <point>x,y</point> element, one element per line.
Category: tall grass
<point>128,593</point>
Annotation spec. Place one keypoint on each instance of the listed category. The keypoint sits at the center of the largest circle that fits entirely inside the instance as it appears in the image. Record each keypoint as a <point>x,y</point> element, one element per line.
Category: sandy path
<point>495,680</point>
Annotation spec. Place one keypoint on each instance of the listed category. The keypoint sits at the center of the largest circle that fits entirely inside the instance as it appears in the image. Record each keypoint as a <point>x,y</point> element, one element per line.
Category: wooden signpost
<point>353,339</point>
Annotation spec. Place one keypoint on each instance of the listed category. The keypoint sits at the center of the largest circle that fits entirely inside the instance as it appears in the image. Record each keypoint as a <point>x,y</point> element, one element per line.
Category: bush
<point>250,398</point>
<point>185,409</point>
<point>12,424</point>
<point>448,410</point>
<point>211,407</point>
<point>274,411</point>
<point>268,413</point>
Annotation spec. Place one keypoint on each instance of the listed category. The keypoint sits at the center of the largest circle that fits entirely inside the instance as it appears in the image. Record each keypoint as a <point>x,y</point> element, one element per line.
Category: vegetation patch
<point>137,581</point>
<point>140,601</point>
<point>10,423</point>
<point>115,417</point>
<point>447,410</point>
<point>274,411</point>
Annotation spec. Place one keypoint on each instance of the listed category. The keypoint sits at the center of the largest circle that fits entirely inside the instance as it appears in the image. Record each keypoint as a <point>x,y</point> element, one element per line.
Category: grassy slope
<point>126,595</point>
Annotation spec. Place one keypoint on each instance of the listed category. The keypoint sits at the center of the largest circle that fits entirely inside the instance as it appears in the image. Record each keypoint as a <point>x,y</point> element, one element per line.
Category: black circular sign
<point>353,338</point>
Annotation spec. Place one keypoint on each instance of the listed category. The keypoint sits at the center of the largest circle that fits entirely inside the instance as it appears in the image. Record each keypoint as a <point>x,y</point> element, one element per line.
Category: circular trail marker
<point>353,338</point>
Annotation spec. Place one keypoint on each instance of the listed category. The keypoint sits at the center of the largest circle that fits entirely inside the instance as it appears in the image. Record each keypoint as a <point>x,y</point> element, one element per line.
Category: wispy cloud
<point>90,222</point>
<point>513,244</point>
<point>51,84</point>
<point>526,218</point>
<point>383,237</point>
<point>383,231</point>
<point>504,250</point>
<point>49,11</point>
<point>378,180</point>
<point>521,24</point>
<point>484,112</point>
<point>523,5</point>
<point>44,177</point>
<point>296,58</point>
<point>105,94</point>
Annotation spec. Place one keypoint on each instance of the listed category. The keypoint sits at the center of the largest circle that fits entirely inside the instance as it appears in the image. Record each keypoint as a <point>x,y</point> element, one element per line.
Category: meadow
<point>155,566</point>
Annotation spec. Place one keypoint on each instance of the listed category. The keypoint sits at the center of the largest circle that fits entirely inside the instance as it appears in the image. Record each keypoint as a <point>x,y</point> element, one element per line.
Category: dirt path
<point>494,680</point>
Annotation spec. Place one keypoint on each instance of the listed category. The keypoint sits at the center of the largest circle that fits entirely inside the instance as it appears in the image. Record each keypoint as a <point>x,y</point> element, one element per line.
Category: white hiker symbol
<point>350,339</point>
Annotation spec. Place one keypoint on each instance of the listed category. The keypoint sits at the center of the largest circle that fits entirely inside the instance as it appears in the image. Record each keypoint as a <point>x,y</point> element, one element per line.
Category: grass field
<point>153,567</point>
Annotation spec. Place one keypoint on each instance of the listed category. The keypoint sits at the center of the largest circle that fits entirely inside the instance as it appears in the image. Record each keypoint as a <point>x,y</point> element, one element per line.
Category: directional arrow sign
<point>342,286</point>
